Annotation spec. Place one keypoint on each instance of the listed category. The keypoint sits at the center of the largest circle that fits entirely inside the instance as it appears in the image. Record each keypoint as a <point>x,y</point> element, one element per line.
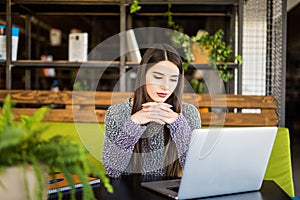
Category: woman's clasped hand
<point>161,113</point>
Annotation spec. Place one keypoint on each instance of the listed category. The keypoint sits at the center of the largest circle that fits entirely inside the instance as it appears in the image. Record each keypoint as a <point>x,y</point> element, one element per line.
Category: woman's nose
<point>165,84</point>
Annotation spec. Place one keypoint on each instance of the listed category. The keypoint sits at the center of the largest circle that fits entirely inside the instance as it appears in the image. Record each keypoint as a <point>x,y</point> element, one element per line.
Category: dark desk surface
<point>129,188</point>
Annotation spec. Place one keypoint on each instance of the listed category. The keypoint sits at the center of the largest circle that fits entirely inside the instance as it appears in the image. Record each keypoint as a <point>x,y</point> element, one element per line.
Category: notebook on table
<point>61,183</point>
<point>221,161</point>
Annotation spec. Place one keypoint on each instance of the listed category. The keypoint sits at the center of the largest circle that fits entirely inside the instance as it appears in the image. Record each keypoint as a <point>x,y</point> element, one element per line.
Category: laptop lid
<point>223,161</point>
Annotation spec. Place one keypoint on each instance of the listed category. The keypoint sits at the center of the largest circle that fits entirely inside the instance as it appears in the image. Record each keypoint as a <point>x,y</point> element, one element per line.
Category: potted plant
<point>25,147</point>
<point>213,47</point>
<point>217,53</point>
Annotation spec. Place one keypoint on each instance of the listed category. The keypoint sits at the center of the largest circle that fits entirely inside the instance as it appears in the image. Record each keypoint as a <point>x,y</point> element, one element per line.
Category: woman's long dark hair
<point>153,55</point>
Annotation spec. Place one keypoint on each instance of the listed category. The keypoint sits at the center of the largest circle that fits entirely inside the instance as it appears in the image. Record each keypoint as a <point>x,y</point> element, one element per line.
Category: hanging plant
<point>135,6</point>
<point>179,38</point>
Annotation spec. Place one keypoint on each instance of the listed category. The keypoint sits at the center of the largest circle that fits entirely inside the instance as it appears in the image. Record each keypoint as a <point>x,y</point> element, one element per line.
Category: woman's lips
<point>162,95</point>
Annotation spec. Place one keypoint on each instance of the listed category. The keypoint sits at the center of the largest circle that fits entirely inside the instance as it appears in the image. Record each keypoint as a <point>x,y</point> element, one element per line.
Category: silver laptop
<point>221,161</point>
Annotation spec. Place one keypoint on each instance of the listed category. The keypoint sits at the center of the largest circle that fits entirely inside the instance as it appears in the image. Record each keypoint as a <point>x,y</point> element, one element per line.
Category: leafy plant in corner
<point>26,144</point>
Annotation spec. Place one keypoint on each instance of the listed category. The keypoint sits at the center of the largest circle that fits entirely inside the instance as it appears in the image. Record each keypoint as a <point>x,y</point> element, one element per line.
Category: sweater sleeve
<point>119,142</point>
<point>181,135</point>
<point>181,130</point>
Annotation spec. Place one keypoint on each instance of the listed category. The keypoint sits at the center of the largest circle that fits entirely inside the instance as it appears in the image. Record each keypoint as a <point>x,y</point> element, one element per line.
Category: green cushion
<point>279,167</point>
<point>91,135</point>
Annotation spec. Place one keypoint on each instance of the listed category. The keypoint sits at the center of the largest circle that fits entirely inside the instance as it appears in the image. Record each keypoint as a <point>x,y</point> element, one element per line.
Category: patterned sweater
<point>121,135</point>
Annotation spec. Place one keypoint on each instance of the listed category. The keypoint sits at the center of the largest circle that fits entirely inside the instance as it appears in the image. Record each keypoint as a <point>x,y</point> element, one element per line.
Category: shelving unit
<point>54,7</point>
<point>112,8</point>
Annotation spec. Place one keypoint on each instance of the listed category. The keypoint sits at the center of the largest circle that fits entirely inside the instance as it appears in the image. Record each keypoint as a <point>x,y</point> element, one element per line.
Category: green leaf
<point>134,7</point>
<point>10,137</point>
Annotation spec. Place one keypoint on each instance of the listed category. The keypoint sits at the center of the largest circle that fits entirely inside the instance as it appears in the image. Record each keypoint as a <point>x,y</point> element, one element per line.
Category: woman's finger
<point>156,104</point>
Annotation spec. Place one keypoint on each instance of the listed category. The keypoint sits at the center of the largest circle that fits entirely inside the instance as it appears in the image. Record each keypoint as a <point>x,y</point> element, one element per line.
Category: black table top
<point>129,188</point>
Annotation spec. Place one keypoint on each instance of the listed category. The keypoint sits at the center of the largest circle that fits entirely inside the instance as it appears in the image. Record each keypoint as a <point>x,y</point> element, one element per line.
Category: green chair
<point>280,166</point>
<point>91,135</point>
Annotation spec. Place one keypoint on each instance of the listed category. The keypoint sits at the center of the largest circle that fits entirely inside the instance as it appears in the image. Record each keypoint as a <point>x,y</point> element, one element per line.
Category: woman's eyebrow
<point>159,73</point>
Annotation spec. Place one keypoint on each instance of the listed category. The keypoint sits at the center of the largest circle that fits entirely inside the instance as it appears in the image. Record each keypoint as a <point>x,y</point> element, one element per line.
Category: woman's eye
<point>157,77</point>
<point>174,79</point>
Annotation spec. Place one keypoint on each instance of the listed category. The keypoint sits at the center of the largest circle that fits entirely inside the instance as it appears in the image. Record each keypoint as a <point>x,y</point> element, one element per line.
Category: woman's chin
<point>160,100</point>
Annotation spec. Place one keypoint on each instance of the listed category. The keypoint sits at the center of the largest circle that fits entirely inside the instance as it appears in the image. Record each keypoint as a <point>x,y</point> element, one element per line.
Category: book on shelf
<point>61,183</point>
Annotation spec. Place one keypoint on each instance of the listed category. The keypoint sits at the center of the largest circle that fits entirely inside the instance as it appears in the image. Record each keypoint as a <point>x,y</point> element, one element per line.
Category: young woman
<point>150,133</point>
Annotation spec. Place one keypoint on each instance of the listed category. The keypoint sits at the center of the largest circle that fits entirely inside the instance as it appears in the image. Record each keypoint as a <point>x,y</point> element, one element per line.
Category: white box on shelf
<point>78,46</point>
<point>14,43</point>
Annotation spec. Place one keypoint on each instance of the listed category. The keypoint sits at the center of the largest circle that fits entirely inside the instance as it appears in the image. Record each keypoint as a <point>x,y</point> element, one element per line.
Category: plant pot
<point>12,183</point>
<point>201,55</point>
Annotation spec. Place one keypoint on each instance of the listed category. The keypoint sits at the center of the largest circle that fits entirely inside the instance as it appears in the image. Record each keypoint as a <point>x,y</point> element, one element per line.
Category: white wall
<point>254,47</point>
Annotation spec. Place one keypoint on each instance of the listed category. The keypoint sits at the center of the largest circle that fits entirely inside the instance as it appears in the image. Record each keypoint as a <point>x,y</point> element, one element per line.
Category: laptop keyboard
<point>175,189</point>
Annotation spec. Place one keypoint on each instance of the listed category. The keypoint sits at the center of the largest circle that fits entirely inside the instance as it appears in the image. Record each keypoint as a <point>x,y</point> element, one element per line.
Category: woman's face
<point>161,80</point>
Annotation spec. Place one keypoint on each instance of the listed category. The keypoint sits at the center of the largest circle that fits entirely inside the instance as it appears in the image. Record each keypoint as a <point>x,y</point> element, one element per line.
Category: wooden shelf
<point>63,2</point>
<point>63,64</point>
<point>207,66</point>
<point>66,7</point>
<point>2,63</point>
<point>92,64</point>
<point>202,2</point>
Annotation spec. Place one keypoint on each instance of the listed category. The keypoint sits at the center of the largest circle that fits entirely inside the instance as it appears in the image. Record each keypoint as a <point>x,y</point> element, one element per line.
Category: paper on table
<point>61,183</point>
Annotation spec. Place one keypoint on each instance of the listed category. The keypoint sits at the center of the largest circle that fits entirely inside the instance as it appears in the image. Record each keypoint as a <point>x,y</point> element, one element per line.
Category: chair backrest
<point>215,110</point>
